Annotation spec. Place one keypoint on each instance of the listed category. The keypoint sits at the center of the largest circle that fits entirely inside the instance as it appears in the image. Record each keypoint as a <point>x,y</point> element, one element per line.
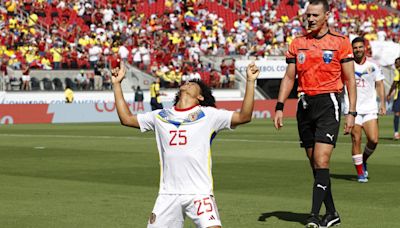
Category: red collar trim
<point>184,109</point>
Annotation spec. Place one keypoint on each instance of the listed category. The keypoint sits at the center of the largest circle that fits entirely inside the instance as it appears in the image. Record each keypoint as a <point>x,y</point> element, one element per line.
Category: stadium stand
<point>58,85</point>
<point>71,84</point>
<point>169,39</point>
<point>35,84</point>
<point>47,84</point>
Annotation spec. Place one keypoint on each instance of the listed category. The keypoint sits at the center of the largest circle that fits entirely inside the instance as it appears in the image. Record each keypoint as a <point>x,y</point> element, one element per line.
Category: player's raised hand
<point>252,72</point>
<point>118,73</point>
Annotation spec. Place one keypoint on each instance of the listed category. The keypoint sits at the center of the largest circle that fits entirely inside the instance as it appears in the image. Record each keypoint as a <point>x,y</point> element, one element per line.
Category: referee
<point>323,62</point>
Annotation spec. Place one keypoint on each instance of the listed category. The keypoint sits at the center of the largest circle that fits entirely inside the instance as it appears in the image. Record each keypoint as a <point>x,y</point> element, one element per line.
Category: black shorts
<point>319,121</point>
<point>154,104</point>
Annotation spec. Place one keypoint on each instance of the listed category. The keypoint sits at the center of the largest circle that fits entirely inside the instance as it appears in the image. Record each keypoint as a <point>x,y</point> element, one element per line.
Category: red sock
<point>359,170</point>
<point>358,161</point>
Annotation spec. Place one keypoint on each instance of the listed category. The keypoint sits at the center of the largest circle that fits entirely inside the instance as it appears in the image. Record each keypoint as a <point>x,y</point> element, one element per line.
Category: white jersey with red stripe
<point>184,139</point>
<point>366,74</point>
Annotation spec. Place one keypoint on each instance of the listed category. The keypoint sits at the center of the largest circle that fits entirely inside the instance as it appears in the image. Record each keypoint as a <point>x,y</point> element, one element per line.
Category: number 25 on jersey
<point>178,137</point>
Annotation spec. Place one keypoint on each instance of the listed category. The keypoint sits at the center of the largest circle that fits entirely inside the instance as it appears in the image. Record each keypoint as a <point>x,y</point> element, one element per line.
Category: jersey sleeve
<point>221,119</point>
<point>346,51</point>
<point>146,121</point>
<point>291,53</point>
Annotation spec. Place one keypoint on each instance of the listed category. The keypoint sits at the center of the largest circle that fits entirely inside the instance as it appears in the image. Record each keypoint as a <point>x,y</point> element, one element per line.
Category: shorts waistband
<point>319,95</point>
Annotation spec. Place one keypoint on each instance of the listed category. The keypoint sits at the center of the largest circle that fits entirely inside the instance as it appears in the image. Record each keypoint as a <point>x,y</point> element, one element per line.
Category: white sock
<point>357,159</point>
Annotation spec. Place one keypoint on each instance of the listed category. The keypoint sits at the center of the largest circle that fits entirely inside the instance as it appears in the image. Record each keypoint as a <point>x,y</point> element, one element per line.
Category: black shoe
<point>312,221</point>
<point>330,220</point>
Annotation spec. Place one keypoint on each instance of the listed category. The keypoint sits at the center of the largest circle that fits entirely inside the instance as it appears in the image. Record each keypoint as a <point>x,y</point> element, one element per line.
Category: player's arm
<point>350,82</point>
<point>286,87</point>
<point>246,112</point>
<point>125,116</point>
<point>391,90</point>
<point>380,89</point>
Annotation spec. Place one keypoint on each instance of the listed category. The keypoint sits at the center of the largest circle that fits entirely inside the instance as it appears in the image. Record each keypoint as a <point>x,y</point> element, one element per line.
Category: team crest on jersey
<point>327,56</point>
<point>301,57</point>
<point>193,116</point>
<point>370,69</point>
<point>168,116</point>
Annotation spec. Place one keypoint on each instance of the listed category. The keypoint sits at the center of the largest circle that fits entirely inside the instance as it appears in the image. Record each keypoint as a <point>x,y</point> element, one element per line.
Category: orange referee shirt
<point>318,62</point>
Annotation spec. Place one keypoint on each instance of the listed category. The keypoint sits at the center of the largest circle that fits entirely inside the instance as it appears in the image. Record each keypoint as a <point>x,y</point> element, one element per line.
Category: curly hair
<point>205,91</point>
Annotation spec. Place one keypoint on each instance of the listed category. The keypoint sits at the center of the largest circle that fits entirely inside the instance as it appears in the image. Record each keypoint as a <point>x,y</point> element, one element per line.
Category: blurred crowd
<point>85,34</point>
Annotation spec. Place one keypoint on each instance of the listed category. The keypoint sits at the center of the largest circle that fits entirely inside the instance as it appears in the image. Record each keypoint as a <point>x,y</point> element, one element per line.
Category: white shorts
<point>26,78</point>
<point>362,118</point>
<point>170,211</point>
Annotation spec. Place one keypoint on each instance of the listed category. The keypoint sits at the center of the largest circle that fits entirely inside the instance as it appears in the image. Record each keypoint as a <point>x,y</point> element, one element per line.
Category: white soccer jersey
<point>184,139</point>
<point>366,76</point>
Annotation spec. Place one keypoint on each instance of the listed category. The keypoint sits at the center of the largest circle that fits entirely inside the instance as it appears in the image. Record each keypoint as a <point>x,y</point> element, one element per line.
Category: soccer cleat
<point>312,221</point>
<point>365,170</point>
<point>362,179</point>
<point>396,136</point>
<point>330,220</point>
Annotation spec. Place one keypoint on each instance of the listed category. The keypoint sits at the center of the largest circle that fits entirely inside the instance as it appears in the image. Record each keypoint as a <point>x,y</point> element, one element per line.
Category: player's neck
<point>186,103</point>
<point>361,61</point>
<point>321,33</point>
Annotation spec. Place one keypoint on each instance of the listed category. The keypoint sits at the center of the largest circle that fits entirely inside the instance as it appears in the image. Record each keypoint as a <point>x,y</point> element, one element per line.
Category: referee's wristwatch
<point>353,114</point>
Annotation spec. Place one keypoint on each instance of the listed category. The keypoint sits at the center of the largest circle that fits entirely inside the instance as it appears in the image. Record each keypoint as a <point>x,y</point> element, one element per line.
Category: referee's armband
<point>290,60</point>
<point>279,106</point>
<point>345,60</point>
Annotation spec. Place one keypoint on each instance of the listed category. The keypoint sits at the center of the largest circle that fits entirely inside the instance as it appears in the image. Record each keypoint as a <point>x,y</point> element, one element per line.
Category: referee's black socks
<point>328,201</point>
<point>322,192</point>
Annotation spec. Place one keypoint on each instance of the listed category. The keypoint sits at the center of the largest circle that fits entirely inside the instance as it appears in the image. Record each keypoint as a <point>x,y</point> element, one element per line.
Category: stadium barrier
<point>269,69</point>
<point>106,111</point>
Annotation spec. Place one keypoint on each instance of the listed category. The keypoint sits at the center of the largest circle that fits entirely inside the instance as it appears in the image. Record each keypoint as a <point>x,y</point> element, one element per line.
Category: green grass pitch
<point>106,175</point>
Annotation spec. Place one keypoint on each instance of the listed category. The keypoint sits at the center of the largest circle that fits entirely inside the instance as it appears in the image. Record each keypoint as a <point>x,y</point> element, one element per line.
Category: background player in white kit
<point>369,80</point>
<point>184,135</point>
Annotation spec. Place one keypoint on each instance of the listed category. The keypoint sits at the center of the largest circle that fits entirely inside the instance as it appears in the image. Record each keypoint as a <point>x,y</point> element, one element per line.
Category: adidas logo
<point>211,218</point>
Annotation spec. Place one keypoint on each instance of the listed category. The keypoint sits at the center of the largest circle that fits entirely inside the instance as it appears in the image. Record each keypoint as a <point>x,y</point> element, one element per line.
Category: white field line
<point>152,138</point>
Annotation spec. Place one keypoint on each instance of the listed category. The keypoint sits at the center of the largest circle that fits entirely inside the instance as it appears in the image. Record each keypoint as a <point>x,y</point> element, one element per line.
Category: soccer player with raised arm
<point>369,81</point>
<point>184,134</point>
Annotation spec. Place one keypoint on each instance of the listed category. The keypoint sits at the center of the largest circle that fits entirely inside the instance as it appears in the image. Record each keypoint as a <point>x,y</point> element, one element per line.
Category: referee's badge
<point>301,57</point>
<point>327,56</point>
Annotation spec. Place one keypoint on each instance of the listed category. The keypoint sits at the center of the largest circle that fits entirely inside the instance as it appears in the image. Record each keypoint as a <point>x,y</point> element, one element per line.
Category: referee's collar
<point>320,37</point>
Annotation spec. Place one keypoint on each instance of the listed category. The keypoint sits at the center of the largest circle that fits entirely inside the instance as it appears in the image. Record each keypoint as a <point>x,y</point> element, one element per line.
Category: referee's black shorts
<point>319,121</point>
